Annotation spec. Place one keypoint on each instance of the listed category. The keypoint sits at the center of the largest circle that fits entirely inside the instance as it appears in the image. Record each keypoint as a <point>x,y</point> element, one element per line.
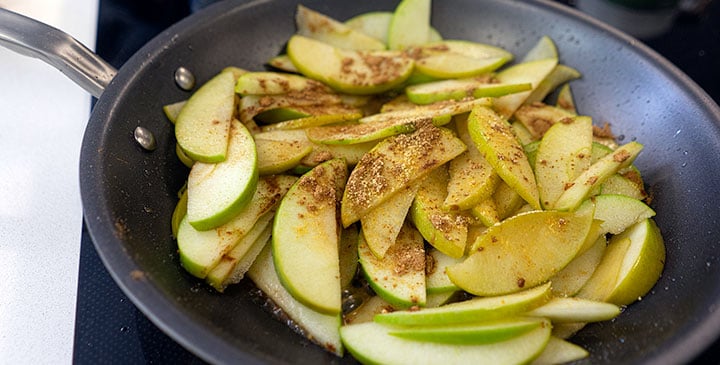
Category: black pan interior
<point>129,194</point>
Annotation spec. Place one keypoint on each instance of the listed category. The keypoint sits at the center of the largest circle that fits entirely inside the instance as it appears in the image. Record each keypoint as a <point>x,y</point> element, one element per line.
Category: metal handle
<point>32,38</point>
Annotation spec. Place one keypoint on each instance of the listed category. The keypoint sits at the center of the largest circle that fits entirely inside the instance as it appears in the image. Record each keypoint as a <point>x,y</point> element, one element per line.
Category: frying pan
<point>128,193</point>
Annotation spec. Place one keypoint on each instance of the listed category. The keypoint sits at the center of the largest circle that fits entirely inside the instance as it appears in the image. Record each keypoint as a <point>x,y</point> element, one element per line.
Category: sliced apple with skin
<point>522,251</point>
<point>457,89</point>
<point>348,252</point>
<point>453,65</point>
<point>544,48</point>
<point>352,133</point>
<point>202,127</point>
<point>410,24</point>
<point>568,281</point>
<point>471,177</point>
<point>399,277</point>
<point>434,110</point>
<point>630,267</point>
<point>381,226</point>
<point>494,139</point>
<point>173,110</point>
<point>436,279</point>
<point>274,83</point>
<point>284,63</point>
<point>322,329</point>
<point>620,185</point>
<point>305,238</point>
<point>486,211</point>
<point>219,191</point>
<point>372,343</point>
<point>319,116</point>
<point>275,157</point>
<point>434,300</point>
<point>444,230</point>
<point>472,333</point>
<point>377,23</point>
<point>298,104</point>
<point>367,310</point>
<point>507,200</point>
<point>564,152</point>
<point>533,72</point>
<point>200,251</point>
<point>179,213</point>
<point>571,310</point>
<point>597,174</point>
<point>321,27</point>
<point>560,75</point>
<point>618,212</point>
<point>472,310</point>
<point>352,72</point>
<point>462,47</point>
<point>565,99</point>
<point>394,163</point>
<point>559,351</point>
<point>538,117</point>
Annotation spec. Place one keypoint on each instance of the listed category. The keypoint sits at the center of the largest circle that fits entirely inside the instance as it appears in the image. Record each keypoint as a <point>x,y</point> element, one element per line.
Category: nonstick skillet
<point>129,192</point>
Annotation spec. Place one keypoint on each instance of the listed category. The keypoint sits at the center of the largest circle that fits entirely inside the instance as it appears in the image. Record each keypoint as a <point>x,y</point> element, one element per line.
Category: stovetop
<point>110,329</point>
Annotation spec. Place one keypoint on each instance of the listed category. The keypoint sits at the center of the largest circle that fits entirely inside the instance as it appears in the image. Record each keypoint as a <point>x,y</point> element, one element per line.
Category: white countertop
<point>42,120</point>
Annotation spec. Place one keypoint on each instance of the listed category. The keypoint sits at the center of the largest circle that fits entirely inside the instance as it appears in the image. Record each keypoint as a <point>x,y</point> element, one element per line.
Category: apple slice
<point>568,281</point>
<point>631,266</point>
<point>179,213</point>
<point>538,117</point>
<point>444,230</point>
<point>572,310</point>
<point>522,251</point>
<point>367,310</point>
<point>323,28</point>
<point>305,238</point>
<point>565,99</point>
<point>494,138</point>
<point>284,63</point>
<point>282,106</point>
<point>486,211</point>
<point>399,277</point>
<point>353,133</point>
<point>436,279</point>
<point>456,89</point>
<point>377,23</point>
<point>545,48</point>
<point>472,178</point>
<point>618,212</point>
<point>275,157</point>
<point>410,24</point>
<point>219,191</point>
<point>200,251</point>
<point>462,47</point>
<point>434,110</point>
<point>352,72</point>
<point>203,126</point>
<point>274,83</point>
<point>372,343</point>
<point>533,72</point>
<point>348,252</point>
<point>620,185</point>
<point>559,75</point>
<point>507,200</point>
<point>450,65</point>
<point>559,351</point>
<point>318,116</point>
<point>563,153</point>
<point>381,225</point>
<point>472,310</point>
<point>320,328</point>
<point>471,333</point>
<point>320,152</point>
<point>173,110</point>
<point>597,174</point>
<point>394,163</point>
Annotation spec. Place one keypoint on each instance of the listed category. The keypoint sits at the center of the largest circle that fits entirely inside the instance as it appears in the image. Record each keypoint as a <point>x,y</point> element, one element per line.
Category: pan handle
<point>32,38</point>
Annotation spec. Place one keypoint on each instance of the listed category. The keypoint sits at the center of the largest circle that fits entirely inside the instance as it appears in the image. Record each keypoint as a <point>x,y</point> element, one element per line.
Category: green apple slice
<point>219,191</point>
<point>571,310</point>
<point>200,251</point>
<point>565,99</point>
<point>436,279</point>
<point>486,212</point>
<point>618,212</point>
<point>305,238</point>
<point>597,174</point>
<point>494,138</point>
<point>522,251</point>
<point>472,178</point>
<point>620,185</point>
<point>471,333</point>
<point>394,163</point>
<point>507,200</point>
<point>352,72</point>
<point>278,115</point>
<point>294,103</point>
<point>283,63</point>
<point>434,300</point>
<point>274,83</point>
<point>367,310</point>
<point>560,75</point>
<point>568,281</point>
<point>437,111</point>
<point>545,48</point>
<point>275,157</point>
<point>453,65</point>
<point>377,23</point>
<point>444,230</point>
<point>399,277</point>
<point>202,127</point>
<point>465,48</point>
<point>320,328</point>
<point>229,270</point>
<point>537,117</point>
<point>352,133</point>
<point>381,225</point>
<point>456,89</point>
<point>323,28</point>
<point>348,252</point>
<point>631,266</point>
<point>410,24</point>
<point>372,343</point>
<point>179,213</point>
<point>319,116</point>
<point>173,110</point>
<point>559,351</point>
<point>533,72</point>
<point>472,310</point>
<point>563,153</point>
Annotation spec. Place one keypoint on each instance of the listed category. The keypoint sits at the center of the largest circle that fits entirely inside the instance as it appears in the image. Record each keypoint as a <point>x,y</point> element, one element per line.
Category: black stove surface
<point>109,329</point>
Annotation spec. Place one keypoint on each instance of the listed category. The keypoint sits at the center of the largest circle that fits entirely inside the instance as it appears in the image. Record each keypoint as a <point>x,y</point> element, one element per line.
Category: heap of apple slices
<point>489,225</point>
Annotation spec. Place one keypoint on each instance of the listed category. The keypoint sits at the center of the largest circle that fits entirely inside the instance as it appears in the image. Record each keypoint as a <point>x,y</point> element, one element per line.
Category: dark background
<point>109,329</point>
